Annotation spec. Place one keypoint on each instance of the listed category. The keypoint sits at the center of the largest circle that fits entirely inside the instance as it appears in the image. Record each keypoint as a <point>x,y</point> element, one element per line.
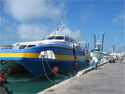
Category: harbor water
<point>25,83</point>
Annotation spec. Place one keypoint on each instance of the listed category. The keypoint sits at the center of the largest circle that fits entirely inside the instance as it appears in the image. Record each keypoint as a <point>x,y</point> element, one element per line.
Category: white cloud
<point>27,10</point>
<point>120,19</point>
<point>76,34</point>
<point>11,32</point>
<point>86,13</point>
<point>7,31</point>
<point>32,32</point>
<point>3,21</point>
<point>6,25</point>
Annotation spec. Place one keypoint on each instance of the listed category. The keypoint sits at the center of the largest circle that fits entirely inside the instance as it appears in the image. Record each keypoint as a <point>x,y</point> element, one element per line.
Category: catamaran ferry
<point>55,53</point>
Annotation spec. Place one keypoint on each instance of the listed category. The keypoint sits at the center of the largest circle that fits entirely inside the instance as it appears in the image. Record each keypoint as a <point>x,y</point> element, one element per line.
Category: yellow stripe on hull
<point>66,57</point>
<point>36,55</point>
<point>22,55</point>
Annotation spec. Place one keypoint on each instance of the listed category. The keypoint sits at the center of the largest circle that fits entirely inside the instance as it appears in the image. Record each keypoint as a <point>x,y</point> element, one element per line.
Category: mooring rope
<point>45,72</point>
<point>53,71</point>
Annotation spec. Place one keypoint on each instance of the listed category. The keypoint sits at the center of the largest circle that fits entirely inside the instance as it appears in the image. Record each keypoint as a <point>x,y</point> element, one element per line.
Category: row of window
<point>65,51</point>
<point>26,46</point>
<point>80,53</point>
<point>61,38</point>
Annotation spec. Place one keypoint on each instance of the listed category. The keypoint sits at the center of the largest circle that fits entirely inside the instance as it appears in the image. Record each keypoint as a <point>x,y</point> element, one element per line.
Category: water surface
<point>25,83</point>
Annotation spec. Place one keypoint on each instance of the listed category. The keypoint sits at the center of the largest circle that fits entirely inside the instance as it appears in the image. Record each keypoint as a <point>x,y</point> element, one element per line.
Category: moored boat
<point>98,48</point>
<point>55,53</point>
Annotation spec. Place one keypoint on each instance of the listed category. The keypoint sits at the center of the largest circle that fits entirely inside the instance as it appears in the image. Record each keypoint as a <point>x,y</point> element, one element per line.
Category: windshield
<point>22,47</point>
<point>50,38</point>
<point>31,46</point>
<point>59,37</point>
<point>95,50</point>
<point>55,37</point>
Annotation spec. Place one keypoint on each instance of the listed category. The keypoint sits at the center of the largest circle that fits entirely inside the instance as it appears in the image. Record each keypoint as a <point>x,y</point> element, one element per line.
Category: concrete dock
<point>107,79</point>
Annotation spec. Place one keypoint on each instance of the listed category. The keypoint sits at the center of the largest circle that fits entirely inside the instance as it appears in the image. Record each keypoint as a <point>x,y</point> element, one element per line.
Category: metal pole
<point>103,40</point>
<point>94,40</point>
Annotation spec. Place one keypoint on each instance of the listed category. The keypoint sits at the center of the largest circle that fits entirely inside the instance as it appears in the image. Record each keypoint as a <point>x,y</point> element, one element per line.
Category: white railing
<point>5,47</point>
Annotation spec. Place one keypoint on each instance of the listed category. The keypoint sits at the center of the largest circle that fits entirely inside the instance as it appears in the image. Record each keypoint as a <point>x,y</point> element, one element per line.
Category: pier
<point>107,79</point>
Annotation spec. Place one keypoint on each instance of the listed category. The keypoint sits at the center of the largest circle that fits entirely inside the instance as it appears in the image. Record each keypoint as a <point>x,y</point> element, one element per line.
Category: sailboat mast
<point>113,48</point>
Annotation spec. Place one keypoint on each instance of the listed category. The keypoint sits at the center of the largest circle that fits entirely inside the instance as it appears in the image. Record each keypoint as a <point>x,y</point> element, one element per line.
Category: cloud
<point>7,31</point>
<point>11,32</point>
<point>76,34</point>
<point>32,32</point>
<point>86,13</point>
<point>6,26</point>
<point>120,19</point>
<point>3,21</point>
<point>27,10</point>
<point>3,39</point>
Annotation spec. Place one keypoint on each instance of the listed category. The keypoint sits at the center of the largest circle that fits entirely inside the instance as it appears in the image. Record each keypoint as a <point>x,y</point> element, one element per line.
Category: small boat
<point>97,53</point>
<point>98,48</point>
<point>55,53</point>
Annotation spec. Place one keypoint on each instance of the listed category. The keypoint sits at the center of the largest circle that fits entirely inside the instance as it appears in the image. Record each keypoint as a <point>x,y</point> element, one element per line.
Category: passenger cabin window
<point>95,50</point>
<point>67,39</point>
<point>31,46</point>
<point>70,39</point>
<point>22,47</point>
<point>65,51</point>
<point>50,38</point>
<point>59,38</point>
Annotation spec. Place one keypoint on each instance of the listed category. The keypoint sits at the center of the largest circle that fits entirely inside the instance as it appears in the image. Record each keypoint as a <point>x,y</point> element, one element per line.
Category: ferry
<point>55,53</point>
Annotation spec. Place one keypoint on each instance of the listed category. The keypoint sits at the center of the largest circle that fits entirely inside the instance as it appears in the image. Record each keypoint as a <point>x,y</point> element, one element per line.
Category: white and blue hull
<point>98,55</point>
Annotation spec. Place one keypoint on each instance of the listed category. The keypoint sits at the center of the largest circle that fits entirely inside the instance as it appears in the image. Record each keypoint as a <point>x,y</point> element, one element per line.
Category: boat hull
<point>32,60</point>
<point>45,66</point>
<point>11,65</point>
<point>98,55</point>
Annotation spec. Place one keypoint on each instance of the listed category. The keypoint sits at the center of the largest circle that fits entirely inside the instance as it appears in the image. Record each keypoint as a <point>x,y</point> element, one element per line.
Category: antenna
<point>61,25</point>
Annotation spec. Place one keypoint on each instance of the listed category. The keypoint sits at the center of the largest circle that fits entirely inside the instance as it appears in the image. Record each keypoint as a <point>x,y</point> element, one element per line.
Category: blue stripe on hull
<point>36,67</point>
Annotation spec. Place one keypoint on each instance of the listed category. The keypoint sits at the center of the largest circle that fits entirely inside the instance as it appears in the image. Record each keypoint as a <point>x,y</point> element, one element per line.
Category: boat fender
<point>55,69</point>
<point>75,64</point>
<point>88,61</point>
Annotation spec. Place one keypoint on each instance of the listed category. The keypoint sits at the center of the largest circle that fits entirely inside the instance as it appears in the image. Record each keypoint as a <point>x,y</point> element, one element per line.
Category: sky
<point>32,20</point>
